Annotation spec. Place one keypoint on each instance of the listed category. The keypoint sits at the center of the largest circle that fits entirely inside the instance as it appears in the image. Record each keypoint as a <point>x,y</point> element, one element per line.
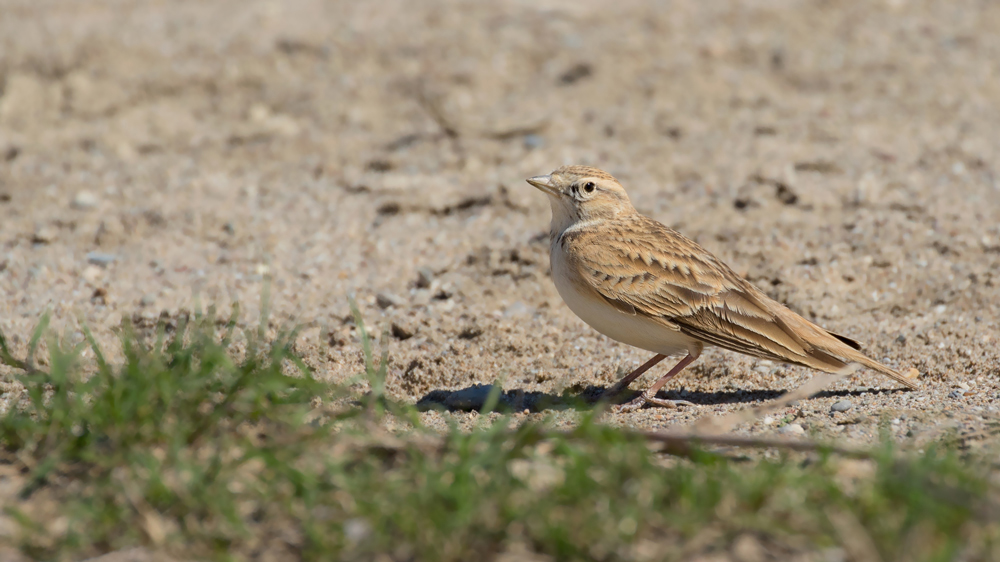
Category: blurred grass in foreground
<point>210,443</point>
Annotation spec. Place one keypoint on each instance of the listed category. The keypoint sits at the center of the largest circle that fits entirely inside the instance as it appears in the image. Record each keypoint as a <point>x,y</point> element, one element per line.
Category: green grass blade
<point>36,336</point>
<point>5,355</point>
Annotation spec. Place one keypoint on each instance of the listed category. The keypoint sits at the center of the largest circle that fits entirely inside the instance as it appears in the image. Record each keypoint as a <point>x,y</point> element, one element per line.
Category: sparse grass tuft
<point>168,444</point>
<point>210,443</point>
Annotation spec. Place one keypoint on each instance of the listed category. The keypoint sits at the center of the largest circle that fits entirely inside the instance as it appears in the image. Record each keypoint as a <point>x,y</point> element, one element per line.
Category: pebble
<point>445,292</point>
<point>421,297</point>
<point>147,300</point>
<point>470,331</point>
<point>516,309</point>
<point>100,258</point>
<point>385,300</point>
<point>45,234</point>
<point>842,406</point>
<point>402,330</point>
<point>424,277</point>
<point>956,394</point>
<point>91,273</point>
<point>792,429</point>
<point>532,141</point>
<point>84,200</point>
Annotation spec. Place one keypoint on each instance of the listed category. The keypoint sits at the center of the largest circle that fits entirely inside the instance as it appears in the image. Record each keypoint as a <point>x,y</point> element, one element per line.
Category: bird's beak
<point>544,183</point>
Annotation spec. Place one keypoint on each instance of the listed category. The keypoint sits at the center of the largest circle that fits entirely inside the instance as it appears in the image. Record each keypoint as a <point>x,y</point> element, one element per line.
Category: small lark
<point>644,284</point>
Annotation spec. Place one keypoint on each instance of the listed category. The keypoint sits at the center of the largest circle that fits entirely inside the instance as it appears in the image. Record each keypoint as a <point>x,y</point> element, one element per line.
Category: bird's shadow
<point>582,398</point>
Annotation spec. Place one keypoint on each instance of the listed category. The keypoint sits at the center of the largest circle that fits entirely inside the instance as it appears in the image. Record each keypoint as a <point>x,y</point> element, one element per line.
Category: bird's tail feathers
<point>834,351</point>
<point>862,359</point>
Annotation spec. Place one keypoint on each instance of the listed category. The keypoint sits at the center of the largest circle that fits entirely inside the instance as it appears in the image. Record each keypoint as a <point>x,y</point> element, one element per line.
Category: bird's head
<point>582,193</point>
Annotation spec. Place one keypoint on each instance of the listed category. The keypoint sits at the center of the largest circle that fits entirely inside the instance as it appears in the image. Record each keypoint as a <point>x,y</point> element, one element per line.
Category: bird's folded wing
<point>656,272</point>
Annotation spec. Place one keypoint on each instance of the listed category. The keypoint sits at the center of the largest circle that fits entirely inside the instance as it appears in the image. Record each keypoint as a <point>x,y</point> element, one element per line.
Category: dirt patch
<point>159,157</point>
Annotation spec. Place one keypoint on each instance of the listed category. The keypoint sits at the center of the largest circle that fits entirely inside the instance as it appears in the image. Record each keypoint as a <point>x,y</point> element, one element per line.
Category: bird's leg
<point>627,379</point>
<point>649,396</point>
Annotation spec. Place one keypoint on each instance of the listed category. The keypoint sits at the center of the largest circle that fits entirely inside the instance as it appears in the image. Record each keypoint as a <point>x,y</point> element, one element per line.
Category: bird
<point>644,284</point>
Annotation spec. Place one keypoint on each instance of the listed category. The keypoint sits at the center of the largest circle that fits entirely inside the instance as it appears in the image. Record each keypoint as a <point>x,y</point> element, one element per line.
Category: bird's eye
<point>589,186</point>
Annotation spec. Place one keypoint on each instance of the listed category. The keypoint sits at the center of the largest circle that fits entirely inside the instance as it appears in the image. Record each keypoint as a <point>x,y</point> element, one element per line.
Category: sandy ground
<point>160,156</point>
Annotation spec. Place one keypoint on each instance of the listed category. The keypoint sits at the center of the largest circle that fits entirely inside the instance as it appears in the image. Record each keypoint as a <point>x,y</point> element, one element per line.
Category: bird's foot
<point>641,400</point>
<point>668,403</point>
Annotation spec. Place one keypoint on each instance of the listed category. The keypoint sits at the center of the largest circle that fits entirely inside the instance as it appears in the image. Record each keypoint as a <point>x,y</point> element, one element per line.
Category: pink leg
<point>627,379</point>
<point>649,396</point>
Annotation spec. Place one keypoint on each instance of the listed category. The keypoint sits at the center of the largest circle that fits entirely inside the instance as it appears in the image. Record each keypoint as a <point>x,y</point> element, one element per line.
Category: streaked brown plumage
<point>647,285</point>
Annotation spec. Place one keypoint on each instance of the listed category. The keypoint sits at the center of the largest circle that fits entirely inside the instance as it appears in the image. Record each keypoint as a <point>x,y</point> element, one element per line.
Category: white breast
<point>634,330</point>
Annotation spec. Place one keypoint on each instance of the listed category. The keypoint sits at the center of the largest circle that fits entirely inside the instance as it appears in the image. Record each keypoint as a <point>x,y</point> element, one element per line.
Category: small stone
<point>91,273</point>
<point>45,234</point>
<point>421,297</point>
<point>792,429</point>
<point>84,200</point>
<point>147,300</point>
<point>956,394</point>
<point>470,331</point>
<point>842,406</point>
<point>424,277</point>
<point>517,309</point>
<point>402,330</point>
<point>445,292</point>
<point>386,300</point>
<point>533,141</point>
<point>901,339</point>
<point>912,373</point>
<point>852,420</point>
<point>100,258</point>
